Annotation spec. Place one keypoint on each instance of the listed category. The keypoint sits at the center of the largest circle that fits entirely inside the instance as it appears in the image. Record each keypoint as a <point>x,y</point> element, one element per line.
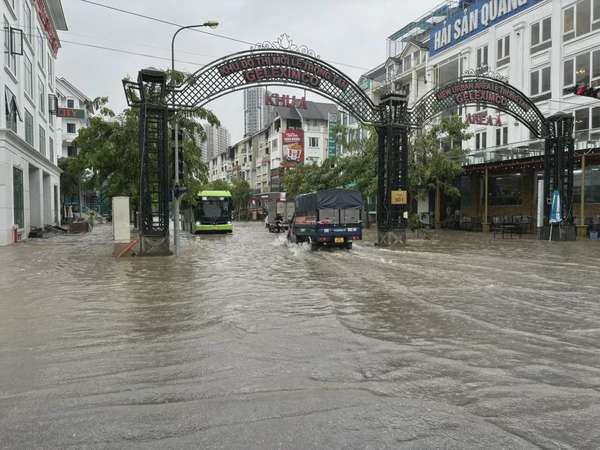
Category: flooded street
<point>246,342</point>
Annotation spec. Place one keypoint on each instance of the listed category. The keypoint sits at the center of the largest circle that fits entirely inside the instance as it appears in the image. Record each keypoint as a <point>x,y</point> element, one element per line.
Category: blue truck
<point>328,218</point>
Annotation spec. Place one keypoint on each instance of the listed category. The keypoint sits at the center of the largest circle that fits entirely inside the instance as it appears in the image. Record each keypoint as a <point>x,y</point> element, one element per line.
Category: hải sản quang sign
<point>275,66</point>
<point>476,91</point>
<point>467,22</point>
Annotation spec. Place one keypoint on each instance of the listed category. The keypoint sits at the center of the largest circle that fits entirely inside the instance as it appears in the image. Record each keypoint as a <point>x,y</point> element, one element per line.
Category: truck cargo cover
<point>330,198</point>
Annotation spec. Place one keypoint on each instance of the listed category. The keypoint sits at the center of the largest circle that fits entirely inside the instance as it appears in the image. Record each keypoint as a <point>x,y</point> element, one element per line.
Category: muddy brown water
<point>247,342</point>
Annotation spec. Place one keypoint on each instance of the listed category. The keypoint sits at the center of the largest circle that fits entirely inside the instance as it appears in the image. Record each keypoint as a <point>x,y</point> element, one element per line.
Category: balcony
<point>527,149</point>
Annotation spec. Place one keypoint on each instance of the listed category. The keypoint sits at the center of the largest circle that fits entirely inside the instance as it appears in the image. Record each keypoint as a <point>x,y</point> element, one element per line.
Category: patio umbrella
<point>556,211</point>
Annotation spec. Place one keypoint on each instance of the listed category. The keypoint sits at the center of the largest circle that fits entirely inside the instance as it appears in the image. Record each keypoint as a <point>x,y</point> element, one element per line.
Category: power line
<point>129,52</point>
<point>222,36</point>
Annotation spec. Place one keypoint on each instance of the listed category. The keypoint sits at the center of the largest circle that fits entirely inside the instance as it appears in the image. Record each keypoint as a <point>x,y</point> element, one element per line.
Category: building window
<point>501,136</point>
<point>10,60</point>
<point>581,18</point>
<point>71,103</point>
<point>42,97</point>
<point>313,142</point>
<point>50,71</point>
<point>447,71</point>
<point>51,148</point>
<point>480,140</point>
<point>11,110</point>
<point>71,151</point>
<point>27,19</point>
<point>71,128</point>
<point>583,69</point>
<point>407,62</point>
<point>505,190</point>
<point>18,198</point>
<point>28,76</point>
<point>503,56</point>
<point>41,52</point>
<point>28,128</point>
<point>582,119</point>
<point>541,35</point>
<point>42,140</point>
<point>540,84</point>
<point>482,58</point>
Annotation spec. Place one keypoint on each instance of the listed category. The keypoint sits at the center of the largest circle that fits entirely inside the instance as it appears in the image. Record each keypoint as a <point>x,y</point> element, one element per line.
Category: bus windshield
<point>213,208</point>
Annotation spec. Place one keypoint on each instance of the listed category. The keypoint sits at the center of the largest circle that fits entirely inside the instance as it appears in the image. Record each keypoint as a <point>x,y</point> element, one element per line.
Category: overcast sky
<point>341,31</point>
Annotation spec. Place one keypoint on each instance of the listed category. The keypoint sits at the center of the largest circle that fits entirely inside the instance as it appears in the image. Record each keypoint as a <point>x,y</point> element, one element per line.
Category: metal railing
<point>526,149</point>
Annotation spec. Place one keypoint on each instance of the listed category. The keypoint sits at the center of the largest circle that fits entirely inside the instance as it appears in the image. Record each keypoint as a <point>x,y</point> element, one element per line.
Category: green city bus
<point>212,214</point>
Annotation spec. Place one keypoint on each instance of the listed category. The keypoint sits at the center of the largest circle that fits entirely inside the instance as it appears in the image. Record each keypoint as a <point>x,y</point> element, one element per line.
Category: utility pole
<point>176,191</point>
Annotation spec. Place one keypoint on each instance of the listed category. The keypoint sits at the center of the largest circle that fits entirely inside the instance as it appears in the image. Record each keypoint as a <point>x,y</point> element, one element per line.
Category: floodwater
<point>245,342</point>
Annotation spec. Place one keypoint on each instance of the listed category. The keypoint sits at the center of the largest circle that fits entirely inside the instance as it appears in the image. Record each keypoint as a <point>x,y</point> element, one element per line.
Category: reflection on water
<point>245,341</point>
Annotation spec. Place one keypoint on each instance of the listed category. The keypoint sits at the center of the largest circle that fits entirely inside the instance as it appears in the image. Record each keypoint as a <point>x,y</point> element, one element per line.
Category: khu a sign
<point>476,18</point>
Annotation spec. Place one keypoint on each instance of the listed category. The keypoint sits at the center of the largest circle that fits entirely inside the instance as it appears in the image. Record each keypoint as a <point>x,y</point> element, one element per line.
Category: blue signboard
<point>466,23</point>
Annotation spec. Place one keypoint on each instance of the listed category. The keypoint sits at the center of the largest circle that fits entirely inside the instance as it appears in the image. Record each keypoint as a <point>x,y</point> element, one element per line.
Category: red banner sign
<point>477,91</point>
<point>48,25</point>
<point>274,66</point>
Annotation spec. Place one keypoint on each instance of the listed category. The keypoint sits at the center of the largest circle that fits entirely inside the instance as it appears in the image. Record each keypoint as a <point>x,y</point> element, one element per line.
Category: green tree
<point>109,149</point>
<point>241,193</point>
<point>436,160</point>
<point>357,170</point>
<point>217,185</point>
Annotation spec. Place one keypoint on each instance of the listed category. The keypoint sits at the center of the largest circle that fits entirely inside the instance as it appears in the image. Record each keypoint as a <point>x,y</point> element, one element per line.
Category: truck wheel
<point>348,245</point>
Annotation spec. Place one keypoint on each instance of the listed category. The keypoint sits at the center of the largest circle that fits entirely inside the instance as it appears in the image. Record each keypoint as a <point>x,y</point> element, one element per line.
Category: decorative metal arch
<point>273,67</point>
<point>472,90</point>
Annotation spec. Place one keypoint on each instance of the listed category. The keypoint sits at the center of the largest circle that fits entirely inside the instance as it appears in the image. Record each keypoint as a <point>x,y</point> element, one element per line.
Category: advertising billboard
<point>478,17</point>
<point>292,141</point>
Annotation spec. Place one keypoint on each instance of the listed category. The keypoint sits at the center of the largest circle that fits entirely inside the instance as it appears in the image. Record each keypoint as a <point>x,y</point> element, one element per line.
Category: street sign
<point>399,198</point>
<point>70,112</point>
<point>332,141</point>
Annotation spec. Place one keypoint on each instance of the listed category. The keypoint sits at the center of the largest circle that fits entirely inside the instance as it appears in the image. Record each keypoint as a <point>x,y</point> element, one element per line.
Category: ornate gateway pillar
<point>392,171</point>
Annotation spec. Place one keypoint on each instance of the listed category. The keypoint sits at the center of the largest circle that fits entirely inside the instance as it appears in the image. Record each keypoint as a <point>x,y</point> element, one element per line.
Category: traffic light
<point>587,91</point>
<point>180,136</point>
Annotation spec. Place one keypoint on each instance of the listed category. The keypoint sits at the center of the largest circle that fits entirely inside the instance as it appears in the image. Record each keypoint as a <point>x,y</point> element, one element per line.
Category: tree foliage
<point>357,170</point>
<point>109,149</point>
<point>437,156</point>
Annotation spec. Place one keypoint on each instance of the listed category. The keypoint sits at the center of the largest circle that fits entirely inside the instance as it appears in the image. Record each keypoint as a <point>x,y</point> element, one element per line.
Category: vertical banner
<point>540,203</point>
<point>332,122</point>
<point>293,147</point>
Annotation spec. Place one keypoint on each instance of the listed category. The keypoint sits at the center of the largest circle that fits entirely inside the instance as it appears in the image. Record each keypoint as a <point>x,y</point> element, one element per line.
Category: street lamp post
<point>210,24</point>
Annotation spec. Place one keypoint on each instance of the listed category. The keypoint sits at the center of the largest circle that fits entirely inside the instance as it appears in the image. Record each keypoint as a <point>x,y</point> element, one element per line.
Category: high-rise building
<point>253,110</point>
<point>217,141</point>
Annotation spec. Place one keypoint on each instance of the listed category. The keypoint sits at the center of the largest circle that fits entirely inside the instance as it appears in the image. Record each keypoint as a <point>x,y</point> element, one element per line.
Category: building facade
<point>543,48</point>
<point>298,133</point>
<point>217,141</point>
<point>73,115</point>
<point>29,142</point>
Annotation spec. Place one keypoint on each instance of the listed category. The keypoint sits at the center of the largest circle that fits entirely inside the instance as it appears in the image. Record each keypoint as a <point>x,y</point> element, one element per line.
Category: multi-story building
<point>300,133</point>
<point>543,48</point>
<point>73,115</point>
<point>257,114</point>
<point>29,176</point>
<point>218,140</point>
